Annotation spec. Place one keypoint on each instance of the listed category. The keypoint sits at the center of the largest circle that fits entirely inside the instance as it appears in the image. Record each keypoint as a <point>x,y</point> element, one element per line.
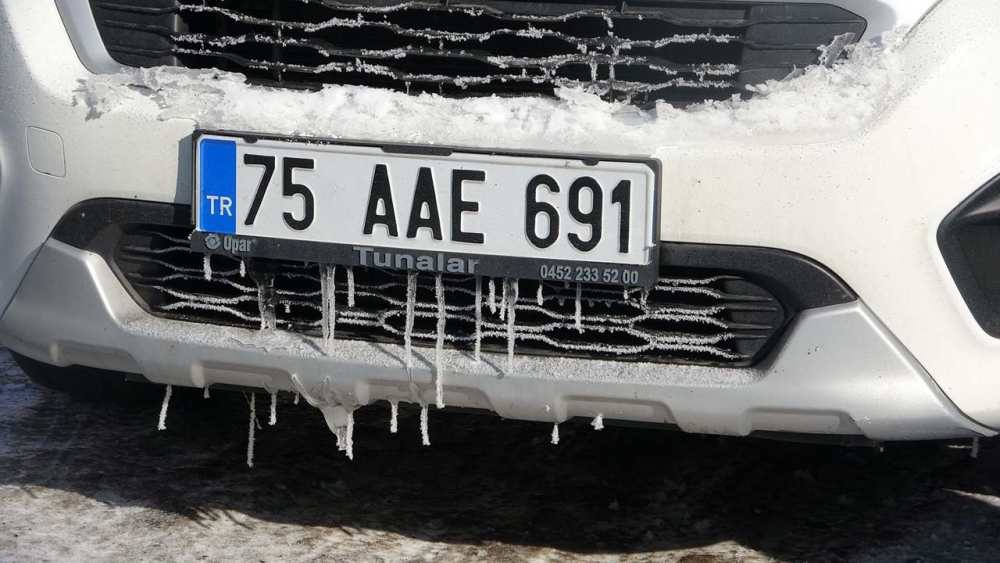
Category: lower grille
<point>672,50</point>
<point>690,316</point>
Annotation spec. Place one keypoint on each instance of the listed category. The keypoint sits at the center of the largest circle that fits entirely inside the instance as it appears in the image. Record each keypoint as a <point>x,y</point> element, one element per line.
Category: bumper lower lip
<point>838,371</point>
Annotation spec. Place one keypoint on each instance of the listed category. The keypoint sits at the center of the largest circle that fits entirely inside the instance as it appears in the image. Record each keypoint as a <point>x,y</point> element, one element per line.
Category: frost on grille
<point>717,319</point>
<point>674,51</point>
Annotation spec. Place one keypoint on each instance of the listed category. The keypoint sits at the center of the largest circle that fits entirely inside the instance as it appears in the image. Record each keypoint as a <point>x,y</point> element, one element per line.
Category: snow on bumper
<point>854,168</point>
<point>838,371</point>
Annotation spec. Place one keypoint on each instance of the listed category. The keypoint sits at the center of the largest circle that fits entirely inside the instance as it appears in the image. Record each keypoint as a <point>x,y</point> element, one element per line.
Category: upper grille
<point>689,317</point>
<point>677,51</point>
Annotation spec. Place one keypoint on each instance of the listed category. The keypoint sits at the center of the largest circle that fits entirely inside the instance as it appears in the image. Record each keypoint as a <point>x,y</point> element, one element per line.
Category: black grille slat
<point>690,317</point>
<point>673,50</point>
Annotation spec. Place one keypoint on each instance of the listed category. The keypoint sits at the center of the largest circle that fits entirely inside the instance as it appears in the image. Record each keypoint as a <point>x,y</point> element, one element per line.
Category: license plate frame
<point>553,269</point>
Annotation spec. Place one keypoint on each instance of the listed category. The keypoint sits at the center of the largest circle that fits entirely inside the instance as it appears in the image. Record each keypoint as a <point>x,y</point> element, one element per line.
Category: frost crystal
<point>274,409</point>
<point>329,299</point>
<point>425,437</point>
<point>555,434</point>
<point>411,304</point>
<point>439,345</point>
<point>206,265</point>
<point>394,417</point>
<point>163,409</point>
<point>598,422</point>
<point>253,422</point>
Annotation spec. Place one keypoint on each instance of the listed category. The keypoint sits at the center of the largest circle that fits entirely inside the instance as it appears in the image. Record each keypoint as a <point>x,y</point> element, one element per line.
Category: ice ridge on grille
<point>646,51</point>
<point>693,319</point>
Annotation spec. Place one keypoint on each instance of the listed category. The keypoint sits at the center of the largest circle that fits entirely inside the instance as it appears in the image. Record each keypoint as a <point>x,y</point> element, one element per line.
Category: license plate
<point>419,208</point>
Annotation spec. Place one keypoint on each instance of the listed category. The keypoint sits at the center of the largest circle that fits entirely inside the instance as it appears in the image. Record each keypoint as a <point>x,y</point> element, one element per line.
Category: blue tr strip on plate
<point>217,199</point>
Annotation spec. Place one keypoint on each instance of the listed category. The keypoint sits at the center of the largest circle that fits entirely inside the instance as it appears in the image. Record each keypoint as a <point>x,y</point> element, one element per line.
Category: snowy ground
<point>95,481</point>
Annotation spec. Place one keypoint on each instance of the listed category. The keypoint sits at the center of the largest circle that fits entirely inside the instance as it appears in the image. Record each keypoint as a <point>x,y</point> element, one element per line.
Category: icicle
<point>163,409</point>
<point>411,304</point>
<point>350,287</point>
<point>265,303</point>
<point>205,394</point>
<point>975,448</point>
<point>578,315</point>
<point>555,434</point>
<point>296,401</point>
<point>288,308</point>
<point>504,299</point>
<point>243,268</point>
<point>479,317</point>
<point>349,438</point>
<point>206,265</point>
<point>493,297</point>
<point>274,409</point>
<point>253,421</point>
<point>394,417</point>
<point>439,345</point>
<point>512,306</point>
<point>329,313</point>
<point>425,437</point>
<point>598,422</point>
<point>540,299</point>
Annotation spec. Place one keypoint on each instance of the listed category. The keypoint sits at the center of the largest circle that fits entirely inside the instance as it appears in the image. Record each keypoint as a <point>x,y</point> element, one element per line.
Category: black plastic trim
<point>798,281</point>
<point>969,238</point>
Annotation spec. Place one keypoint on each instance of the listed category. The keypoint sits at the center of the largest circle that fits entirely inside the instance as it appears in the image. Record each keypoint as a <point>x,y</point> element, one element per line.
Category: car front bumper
<point>866,204</point>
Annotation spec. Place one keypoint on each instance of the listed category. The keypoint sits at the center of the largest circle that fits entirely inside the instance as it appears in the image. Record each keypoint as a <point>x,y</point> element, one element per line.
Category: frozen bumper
<point>837,371</point>
<point>866,205</point>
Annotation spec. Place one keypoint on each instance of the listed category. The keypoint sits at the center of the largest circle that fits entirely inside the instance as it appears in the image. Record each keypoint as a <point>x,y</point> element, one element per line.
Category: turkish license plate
<point>419,208</point>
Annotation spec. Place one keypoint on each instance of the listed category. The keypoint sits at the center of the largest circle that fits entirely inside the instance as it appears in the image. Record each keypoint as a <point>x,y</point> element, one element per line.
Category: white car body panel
<point>866,205</point>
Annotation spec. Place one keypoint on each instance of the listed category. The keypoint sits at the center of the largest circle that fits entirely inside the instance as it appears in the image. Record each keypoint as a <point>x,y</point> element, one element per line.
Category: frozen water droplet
<point>243,269</point>
<point>205,395</point>
<point>479,318</point>
<point>439,344</point>
<point>394,417</point>
<point>328,289</point>
<point>411,304</point>
<point>253,422</point>
<point>206,265</point>
<point>274,409</point>
<point>425,437</point>
<point>350,287</point>
<point>555,434</point>
<point>162,425</point>
<point>598,422</point>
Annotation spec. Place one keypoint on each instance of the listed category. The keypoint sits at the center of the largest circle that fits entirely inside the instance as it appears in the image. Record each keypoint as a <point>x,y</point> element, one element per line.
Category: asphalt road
<point>93,480</point>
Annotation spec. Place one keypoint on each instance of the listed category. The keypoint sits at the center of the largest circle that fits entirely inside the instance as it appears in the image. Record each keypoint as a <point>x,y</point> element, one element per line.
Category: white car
<point>732,217</point>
